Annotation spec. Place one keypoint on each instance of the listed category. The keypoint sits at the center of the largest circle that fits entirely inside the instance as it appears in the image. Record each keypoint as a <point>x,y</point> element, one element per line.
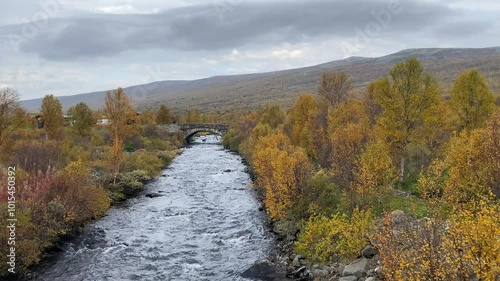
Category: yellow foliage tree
<point>260,130</point>
<point>474,164</point>
<point>53,116</point>
<point>9,104</point>
<point>148,118</point>
<point>374,174</point>
<point>349,131</point>
<point>282,170</point>
<point>122,116</point>
<point>163,115</point>
<point>115,158</point>
<point>124,123</point>
<point>471,100</point>
<point>408,97</point>
<point>317,129</point>
<point>304,110</point>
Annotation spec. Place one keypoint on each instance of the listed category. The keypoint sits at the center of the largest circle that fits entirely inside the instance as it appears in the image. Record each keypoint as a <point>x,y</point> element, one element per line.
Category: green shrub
<point>166,157</point>
<point>316,241</point>
<point>97,140</point>
<point>129,147</point>
<point>322,198</point>
<point>232,140</point>
<point>130,182</point>
<point>156,144</point>
<point>147,162</point>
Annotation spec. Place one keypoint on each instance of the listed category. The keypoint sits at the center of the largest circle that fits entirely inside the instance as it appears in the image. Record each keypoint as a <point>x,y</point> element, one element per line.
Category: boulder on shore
<point>357,268</point>
<point>264,270</point>
<point>369,252</point>
<point>286,230</point>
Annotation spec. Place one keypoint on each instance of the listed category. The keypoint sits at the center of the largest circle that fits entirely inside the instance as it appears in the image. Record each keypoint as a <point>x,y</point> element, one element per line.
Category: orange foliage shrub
<point>474,242</point>
<point>282,171</point>
<point>435,249</point>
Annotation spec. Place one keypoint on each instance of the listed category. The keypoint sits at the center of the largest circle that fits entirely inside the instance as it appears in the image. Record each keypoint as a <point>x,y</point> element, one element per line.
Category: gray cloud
<point>463,29</point>
<point>201,27</point>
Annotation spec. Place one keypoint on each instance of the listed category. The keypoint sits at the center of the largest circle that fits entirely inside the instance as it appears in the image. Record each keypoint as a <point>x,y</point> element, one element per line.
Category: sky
<point>67,47</point>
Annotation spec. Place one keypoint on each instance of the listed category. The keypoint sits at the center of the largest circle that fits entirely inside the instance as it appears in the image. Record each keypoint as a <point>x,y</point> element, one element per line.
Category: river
<point>204,226</point>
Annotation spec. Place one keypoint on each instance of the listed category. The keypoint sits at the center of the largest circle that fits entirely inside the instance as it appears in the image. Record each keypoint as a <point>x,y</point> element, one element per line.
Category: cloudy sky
<point>67,47</point>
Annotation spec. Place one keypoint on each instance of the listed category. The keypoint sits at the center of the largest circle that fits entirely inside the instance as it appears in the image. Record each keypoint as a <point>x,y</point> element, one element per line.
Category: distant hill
<point>239,92</point>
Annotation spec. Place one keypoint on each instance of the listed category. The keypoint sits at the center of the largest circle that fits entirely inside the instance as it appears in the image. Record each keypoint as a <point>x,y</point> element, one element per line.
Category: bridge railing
<point>173,128</point>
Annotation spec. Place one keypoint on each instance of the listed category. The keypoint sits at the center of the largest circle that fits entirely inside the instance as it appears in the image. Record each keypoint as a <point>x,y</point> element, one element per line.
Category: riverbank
<point>283,263</point>
<point>66,215</point>
<point>189,229</point>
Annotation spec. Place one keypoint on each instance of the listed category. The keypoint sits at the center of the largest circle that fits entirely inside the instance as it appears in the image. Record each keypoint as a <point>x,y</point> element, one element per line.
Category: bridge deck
<point>189,129</point>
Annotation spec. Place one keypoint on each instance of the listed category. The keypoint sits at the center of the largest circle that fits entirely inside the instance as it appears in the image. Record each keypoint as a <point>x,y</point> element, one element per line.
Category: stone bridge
<point>191,129</point>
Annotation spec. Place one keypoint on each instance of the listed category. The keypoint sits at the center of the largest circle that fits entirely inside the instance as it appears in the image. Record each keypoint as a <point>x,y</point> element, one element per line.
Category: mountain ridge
<point>246,91</point>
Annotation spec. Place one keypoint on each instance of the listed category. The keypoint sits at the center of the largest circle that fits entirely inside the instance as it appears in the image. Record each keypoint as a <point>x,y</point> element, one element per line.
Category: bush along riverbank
<point>398,184</point>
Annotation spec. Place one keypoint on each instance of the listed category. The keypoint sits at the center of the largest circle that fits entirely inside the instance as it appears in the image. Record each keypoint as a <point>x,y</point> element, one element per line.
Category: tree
<point>470,170</point>
<point>164,116</point>
<point>122,116</point>
<point>334,87</point>
<point>473,161</point>
<point>82,118</point>
<point>374,174</point>
<point>471,100</point>
<point>123,123</point>
<point>348,131</point>
<point>372,109</point>
<point>53,116</point>
<point>148,118</point>
<point>304,110</point>
<point>272,115</point>
<point>282,171</point>
<point>409,96</point>
<point>9,104</point>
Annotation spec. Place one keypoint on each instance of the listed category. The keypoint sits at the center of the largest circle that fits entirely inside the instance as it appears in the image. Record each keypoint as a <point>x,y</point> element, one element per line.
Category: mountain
<point>239,92</point>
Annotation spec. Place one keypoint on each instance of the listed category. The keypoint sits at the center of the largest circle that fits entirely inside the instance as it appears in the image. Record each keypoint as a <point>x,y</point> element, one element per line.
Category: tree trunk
<point>402,169</point>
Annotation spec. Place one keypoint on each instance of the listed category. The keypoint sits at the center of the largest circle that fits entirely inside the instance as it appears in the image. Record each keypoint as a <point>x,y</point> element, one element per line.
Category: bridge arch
<point>191,129</point>
<point>189,134</point>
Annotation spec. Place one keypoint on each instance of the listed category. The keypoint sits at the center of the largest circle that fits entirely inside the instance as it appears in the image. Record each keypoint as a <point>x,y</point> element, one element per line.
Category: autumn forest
<point>416,175</point>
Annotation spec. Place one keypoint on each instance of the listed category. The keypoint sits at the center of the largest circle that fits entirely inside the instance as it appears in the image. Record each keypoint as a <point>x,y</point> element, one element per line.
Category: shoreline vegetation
<point>69,170</point>
<point>399,184</point>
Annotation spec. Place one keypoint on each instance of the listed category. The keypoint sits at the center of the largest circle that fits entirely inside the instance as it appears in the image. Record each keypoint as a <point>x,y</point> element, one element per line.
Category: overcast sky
<point>67,47</point>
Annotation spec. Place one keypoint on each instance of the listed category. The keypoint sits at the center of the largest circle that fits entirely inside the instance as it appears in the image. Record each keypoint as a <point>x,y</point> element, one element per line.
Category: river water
<point>205,226</point>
